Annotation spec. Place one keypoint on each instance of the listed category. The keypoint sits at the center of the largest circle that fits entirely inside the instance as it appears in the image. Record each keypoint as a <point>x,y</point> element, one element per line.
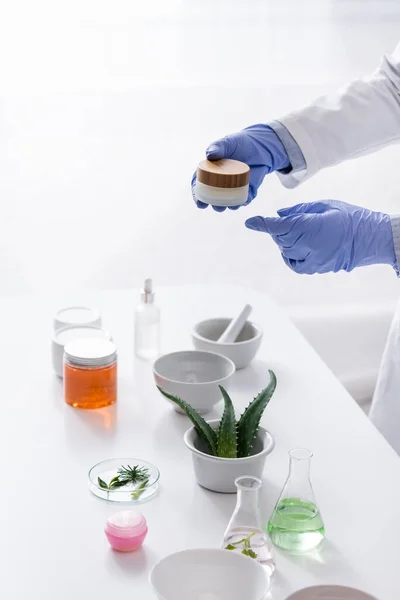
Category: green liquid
<point>296,525</point>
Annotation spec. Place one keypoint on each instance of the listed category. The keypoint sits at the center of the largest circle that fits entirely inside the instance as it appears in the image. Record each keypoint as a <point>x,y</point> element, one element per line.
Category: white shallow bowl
<point>209,574</point>
<point>206,333</point>
<point>194,376</point>
<point>218,474</point>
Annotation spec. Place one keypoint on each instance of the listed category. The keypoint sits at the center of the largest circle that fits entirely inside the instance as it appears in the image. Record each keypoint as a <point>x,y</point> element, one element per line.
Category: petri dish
<point>330,592</point>
<point>130,493</point>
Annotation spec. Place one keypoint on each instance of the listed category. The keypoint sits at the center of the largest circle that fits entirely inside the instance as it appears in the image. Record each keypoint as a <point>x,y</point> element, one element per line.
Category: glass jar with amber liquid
<point>90,373</point>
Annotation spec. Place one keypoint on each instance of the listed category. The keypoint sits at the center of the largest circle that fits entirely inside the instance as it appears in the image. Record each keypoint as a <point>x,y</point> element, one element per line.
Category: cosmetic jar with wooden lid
<point>222,182</point>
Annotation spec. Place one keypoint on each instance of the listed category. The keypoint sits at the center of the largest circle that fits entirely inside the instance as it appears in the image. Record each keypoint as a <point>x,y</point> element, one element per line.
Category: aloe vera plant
<point>232,439</point>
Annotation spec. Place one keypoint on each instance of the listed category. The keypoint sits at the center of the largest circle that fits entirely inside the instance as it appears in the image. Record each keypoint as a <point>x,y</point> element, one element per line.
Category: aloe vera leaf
<point>227,435</point>
<point>102,483</point>
<point>249,422</point>
<point>205,432</point>
<point>139,490</point>
<point>249,552</point>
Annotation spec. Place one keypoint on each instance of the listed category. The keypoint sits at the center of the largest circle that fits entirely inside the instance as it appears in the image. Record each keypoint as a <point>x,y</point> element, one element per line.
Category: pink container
<point>126,530</point>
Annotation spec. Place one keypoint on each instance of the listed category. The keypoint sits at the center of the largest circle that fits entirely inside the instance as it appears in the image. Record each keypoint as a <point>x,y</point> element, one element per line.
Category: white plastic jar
<point>222,182</point>
<point>77,315</point>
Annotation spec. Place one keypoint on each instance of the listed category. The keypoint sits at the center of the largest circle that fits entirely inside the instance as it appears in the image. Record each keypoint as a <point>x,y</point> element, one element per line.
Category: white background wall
<point>105,108</point>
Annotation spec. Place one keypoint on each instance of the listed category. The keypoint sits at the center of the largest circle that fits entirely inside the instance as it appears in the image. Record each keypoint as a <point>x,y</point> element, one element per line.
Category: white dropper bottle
<point>147,324</point>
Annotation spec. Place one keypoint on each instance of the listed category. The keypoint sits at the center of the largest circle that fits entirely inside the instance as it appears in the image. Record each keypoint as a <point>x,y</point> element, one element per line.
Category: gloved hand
<point>329,236</point>
<point>258,146</point>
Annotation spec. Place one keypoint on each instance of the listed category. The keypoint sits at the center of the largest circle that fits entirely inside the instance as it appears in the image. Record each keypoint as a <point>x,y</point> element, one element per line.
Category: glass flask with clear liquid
<point>296,524</point>
<point>244,533</point>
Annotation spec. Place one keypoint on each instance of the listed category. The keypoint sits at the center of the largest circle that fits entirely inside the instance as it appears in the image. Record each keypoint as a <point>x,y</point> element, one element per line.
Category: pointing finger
<point>272,225</point>
<point>305,208</point>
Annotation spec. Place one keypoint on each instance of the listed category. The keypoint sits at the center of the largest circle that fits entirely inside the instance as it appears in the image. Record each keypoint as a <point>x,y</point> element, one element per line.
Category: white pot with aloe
<point>226,449</point>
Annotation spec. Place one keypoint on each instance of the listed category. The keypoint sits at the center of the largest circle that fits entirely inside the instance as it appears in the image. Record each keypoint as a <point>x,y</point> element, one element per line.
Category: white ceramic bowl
<point>206,333</point>
<point>330,592</point>
<point>194,376</point>
<point>209,574</point>
<point>219,474</point>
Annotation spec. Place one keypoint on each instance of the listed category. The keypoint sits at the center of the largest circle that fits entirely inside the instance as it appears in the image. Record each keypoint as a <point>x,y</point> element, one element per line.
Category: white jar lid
<point>76,315</point>
<point>63,336</point>
<point>89,352</point>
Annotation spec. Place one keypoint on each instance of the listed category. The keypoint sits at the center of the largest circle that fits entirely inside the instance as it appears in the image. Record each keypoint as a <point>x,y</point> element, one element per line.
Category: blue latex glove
<point>329,236</point>
<point>259,147</point>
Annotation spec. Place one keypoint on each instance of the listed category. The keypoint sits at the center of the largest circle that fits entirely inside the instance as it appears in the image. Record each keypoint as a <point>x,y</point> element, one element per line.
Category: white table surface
<point>53,545</point>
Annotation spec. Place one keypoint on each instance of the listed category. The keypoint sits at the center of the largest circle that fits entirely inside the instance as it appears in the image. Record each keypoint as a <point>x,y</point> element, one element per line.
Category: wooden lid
<point>224,173</point>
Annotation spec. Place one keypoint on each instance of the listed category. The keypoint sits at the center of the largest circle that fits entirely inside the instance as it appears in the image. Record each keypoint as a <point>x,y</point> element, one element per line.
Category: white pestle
<point>235,327</point>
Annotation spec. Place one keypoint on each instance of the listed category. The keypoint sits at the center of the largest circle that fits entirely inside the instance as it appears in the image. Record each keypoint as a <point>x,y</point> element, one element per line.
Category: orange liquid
<point>90,388</point>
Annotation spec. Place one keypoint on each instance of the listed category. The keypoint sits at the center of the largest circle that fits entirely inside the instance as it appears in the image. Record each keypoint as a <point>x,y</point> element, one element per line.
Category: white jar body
<point>147,331</point>
<point>221,196</point>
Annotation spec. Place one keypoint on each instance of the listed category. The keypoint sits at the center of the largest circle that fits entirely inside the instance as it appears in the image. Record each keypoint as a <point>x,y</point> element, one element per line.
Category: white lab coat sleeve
<point>359,118</point>
<point>385,409</point>
<point>292,149</point>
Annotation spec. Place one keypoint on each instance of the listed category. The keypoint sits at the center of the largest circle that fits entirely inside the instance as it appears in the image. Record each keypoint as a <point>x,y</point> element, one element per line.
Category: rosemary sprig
<point>132,474</point>
<point>126,475</point>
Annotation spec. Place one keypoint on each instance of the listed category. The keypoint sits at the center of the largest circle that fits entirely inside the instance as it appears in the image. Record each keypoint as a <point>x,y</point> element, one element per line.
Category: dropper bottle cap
<point>147,291</point>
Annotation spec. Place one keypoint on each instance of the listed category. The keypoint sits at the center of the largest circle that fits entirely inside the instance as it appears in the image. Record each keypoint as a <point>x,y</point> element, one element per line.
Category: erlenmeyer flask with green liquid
<point>296,524</point>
